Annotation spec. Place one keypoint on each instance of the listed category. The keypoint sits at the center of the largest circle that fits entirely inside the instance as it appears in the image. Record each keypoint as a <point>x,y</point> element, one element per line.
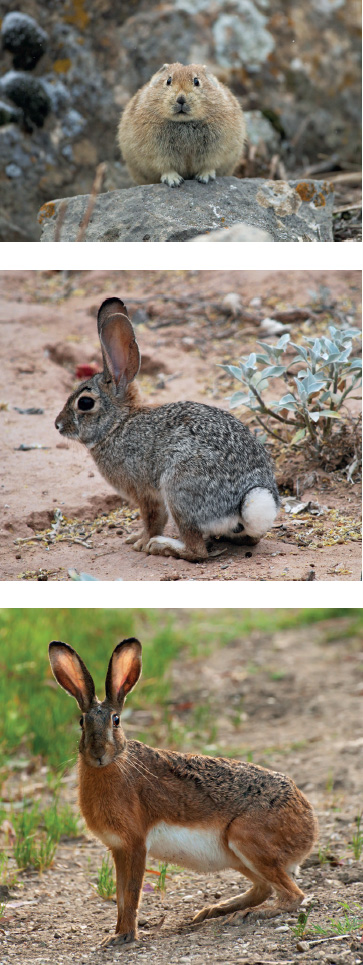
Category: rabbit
<point>201,812</point>
<point>194,461</point>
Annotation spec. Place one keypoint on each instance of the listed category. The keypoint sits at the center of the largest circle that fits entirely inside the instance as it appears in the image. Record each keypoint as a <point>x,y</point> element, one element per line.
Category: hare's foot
<point>205,176</point>
<point>192,550</point>
<point>172,178</point>
<point>254,896</point>
<point>119,939</point>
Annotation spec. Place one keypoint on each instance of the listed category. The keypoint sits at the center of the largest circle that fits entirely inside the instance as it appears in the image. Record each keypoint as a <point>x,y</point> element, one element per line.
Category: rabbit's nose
<point>181,99</point>
<point>58,423</point>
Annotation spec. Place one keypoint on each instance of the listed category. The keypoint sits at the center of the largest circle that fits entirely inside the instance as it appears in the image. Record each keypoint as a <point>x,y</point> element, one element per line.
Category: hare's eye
<point>85,402</point>
<point>115,720</point>
<point>196,82</point>
<point>168,81</point>
<point>81,721</point>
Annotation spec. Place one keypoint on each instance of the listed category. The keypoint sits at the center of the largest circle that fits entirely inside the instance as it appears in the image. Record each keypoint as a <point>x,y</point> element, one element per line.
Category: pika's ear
<point>211,77</point>
<point>123,671</point>
<point>156,76</point>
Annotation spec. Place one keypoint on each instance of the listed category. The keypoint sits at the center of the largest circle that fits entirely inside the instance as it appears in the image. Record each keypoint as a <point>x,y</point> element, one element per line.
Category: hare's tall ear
<point>121,356</point>
<point>71,673</point>
<point>123,671</point>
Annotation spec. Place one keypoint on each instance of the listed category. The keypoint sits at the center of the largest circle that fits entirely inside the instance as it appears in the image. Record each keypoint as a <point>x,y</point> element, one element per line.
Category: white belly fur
<point>195,848</point>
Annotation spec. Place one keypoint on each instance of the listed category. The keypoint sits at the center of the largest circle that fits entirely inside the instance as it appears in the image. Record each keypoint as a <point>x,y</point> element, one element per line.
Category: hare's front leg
<point>130,868</point>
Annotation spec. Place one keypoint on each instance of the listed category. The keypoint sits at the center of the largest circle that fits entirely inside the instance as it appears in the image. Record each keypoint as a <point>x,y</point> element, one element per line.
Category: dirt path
<point>48,329</point>
<point>292,702</point>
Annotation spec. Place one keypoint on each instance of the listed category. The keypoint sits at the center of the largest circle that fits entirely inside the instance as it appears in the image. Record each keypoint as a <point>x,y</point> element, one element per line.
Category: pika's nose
<point>181,99</point>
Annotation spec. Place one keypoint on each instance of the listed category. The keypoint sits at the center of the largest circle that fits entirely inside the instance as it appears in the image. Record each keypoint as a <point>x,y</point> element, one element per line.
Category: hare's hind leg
<point>249,899</point>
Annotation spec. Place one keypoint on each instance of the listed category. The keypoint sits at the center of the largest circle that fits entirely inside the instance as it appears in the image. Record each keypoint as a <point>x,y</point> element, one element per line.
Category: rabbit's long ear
<point>123,671</point>
<point>72,674</point>
<point>121,356</point>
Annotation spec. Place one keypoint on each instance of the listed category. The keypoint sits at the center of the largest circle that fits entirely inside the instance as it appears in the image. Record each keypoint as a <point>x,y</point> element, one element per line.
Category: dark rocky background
<point>65,79</point>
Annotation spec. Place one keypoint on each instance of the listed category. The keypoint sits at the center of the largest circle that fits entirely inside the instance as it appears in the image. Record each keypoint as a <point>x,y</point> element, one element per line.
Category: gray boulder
<point>287,210</point>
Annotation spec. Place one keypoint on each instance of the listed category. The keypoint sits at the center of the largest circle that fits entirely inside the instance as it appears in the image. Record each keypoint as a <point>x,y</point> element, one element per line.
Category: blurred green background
<point>39,718</point>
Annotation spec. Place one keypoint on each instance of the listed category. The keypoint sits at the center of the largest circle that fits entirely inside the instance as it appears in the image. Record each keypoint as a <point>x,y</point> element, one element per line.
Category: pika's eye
<point>115,720</point>
<point>81,721</point>
<point>85,402</point>
<point>196,82</point>
<point>168,81</point>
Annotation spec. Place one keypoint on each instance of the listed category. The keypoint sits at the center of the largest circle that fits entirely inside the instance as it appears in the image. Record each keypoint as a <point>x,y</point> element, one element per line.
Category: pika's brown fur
<point>183,124</point>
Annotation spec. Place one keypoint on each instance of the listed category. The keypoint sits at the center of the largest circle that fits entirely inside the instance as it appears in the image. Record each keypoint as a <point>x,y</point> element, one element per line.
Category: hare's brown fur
<point>201,812</point>
<point>177,131</point>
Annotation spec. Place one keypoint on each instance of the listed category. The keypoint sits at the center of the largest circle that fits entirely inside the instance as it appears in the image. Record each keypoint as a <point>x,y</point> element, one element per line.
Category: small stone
<point>13,171</point>
<point>24,38</point>
<point>302,946</point>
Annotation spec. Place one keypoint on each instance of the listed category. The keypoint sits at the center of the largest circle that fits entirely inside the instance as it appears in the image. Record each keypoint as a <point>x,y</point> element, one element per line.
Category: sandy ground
<point>48,328</point>
<point>298,699</point>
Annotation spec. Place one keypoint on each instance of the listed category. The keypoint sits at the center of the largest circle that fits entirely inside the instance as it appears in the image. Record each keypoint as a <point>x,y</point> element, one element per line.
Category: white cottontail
<point>201,812</point>
<point>194,461</point>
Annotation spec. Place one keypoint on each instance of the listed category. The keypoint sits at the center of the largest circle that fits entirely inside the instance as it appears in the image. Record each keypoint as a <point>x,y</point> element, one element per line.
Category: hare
<point>201,812</point>
<point>194,461</point>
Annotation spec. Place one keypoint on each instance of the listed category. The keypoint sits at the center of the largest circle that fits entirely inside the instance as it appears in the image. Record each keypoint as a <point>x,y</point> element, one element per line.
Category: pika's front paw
<point>205,176</point>
<point>172,178</point>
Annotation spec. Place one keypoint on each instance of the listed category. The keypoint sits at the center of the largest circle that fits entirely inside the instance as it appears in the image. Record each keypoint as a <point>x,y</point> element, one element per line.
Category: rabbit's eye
<point>168,82</point>
<point>196,82</point>
<point>115,720</point>
<point>81,721</point>
<point>85,402</point>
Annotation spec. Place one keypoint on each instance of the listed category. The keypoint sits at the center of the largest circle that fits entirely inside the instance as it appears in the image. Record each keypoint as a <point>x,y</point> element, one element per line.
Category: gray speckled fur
<point>194,460</point>
<point>204,459</point>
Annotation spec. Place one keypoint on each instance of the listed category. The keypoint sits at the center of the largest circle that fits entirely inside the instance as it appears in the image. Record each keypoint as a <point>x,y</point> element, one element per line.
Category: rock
<point>29,94</point>
<point>9,114</point>
<point>261,131</point>
<point>241,37</point>
<point>239,232</point>
<point>287,210</point>
<point>24,38</point>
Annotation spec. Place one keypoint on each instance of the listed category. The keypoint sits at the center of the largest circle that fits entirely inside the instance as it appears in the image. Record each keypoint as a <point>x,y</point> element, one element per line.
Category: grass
<point>161,882</point>
<point>105,881</point>
<point>300,928</point>
<point>357,838</point>
<point>37,717</point>
<point>38,833</point>
<point>352,921</point>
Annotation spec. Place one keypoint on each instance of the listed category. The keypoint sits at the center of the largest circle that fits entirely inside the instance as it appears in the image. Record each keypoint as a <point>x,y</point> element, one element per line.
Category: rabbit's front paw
<point>140,545</point>
<point>165,546</point>
<point>134,537</point>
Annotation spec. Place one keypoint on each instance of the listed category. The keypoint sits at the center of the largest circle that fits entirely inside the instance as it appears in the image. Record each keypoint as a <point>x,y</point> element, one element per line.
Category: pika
<point>183,124</point>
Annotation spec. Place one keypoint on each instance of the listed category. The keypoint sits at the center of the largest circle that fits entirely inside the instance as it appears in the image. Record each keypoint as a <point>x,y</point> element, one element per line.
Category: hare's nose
<point>181,99</point>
